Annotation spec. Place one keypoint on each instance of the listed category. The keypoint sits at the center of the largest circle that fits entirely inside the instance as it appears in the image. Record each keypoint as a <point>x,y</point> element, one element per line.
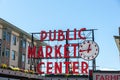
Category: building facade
<point>14,44</point>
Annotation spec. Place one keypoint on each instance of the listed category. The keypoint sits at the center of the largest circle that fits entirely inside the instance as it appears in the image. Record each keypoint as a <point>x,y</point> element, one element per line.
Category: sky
<point>37,15</point>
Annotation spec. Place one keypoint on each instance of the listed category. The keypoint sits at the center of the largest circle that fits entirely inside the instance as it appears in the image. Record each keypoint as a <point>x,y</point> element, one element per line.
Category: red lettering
<point>49,68</point>
<point>68,35</point>
<point>97,77</point>
<point>74,46</point>
<point>84,67</point>
<point>39,67</point>
<point>67,67</point>
<point>31,52</point>
<point>58,68</point>
<point>107,77</point>
<point>75,67</point>
<point>61,36</point>
<point>40,52</point>
<point>66,51</point>
<point>79,33</point>
<point>43,35</point>
<point>75,34</point>
<point>113,77</point>
<point>102,77</point>
<point>54,35</point>
<point>118,77</point>
<point>57,51</point>
<point>48,51</point>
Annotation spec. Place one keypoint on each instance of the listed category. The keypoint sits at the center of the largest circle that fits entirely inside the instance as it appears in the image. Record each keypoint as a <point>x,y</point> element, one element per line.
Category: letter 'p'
<point>43,35</point>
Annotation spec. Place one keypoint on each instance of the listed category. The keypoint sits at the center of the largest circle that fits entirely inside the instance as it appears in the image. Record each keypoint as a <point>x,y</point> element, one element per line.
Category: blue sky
<point>37,15</point>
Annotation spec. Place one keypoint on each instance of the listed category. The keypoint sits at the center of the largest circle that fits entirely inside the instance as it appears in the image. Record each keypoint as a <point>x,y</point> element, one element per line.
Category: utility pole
<point>94,61</point>
<point>32,60</point>
<point>67,50</point>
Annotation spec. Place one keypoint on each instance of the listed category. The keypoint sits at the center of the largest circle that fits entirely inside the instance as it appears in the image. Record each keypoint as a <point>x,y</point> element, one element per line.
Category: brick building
<point>14,44</point>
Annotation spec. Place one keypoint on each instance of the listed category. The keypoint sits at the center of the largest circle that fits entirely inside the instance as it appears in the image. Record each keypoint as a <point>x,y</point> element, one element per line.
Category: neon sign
<point>49,52</point>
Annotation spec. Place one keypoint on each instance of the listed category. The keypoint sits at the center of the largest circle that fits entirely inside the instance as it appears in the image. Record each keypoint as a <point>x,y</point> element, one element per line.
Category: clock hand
<point>82,50</point>
<point>88,48</point>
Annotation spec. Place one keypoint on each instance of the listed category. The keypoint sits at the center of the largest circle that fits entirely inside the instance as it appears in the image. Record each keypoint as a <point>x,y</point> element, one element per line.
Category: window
<point>29,44</point>
<point>0,46</point>
<point>7,53</point>
<point>28,61</point>
<point>13,55</point>
<point>24,43</point>
<point>23,57</point>
<point>3,53</point>
<point>8,37</point>
<point>14,40</point>
<point>4,35</point>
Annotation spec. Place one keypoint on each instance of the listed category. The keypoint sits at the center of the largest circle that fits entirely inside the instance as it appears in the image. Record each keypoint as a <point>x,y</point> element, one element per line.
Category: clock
<point>88,50</point>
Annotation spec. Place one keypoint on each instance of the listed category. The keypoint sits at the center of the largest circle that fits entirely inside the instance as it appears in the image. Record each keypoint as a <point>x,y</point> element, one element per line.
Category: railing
<point>18,74</point>
<point>22,75</point>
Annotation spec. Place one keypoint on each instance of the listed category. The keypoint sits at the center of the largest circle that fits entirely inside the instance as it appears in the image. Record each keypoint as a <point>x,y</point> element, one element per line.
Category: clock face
<point>88,50</point>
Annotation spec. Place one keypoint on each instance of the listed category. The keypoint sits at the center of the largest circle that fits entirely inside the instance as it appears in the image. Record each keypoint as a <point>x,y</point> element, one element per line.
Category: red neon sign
<point>60,36</point>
